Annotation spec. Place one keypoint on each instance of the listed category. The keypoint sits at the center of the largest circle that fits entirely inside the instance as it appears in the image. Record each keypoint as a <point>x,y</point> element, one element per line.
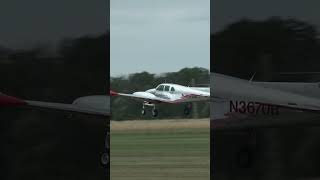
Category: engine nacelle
<point>151,90</point>
<point>145,95</point>
<point>96,102</point>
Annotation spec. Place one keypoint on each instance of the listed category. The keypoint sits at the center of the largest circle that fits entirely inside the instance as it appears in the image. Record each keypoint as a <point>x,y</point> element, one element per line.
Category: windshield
<point>160,88</point>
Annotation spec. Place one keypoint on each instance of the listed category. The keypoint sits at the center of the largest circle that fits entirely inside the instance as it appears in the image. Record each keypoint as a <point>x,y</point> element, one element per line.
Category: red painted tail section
<point>6,100</point>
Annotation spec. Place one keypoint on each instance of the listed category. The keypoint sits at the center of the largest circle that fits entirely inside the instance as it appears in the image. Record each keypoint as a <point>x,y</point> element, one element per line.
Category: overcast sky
<point>224,12</point>
<point>27,23</point>
<point>159,35</point>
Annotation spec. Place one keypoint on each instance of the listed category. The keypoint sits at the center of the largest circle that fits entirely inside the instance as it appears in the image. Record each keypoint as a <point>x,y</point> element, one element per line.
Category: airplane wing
<point>145,96</point>
<point>92,105</point>
<point>141,96</point>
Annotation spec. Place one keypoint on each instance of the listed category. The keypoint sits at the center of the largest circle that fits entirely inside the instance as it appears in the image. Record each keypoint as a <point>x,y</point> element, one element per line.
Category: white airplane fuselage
<point>175,92</point>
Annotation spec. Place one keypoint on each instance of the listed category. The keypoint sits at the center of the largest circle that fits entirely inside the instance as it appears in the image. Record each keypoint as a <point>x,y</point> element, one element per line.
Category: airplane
<point>239,103</point>
<point>168,93</point>
<point>95,105</point>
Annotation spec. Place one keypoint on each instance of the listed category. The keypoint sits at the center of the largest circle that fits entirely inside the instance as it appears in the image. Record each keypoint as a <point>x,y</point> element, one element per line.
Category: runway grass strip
<point>180,151</point>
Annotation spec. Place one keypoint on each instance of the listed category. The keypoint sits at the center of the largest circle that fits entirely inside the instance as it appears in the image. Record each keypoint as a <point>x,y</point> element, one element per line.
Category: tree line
<point>267,47</point>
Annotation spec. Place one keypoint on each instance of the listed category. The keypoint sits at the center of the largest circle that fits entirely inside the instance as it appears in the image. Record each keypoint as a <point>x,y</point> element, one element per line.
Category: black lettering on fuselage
<point>233,107</point>
<point>253,108</point>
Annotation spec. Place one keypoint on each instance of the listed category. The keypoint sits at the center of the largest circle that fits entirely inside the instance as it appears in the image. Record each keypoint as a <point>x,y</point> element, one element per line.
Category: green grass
<point>160,154</point>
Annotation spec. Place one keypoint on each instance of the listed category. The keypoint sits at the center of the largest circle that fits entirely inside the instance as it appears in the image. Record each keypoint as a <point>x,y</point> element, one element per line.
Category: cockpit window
<point>172,89</point>
<point>167,88</point>
<point>160,88</point>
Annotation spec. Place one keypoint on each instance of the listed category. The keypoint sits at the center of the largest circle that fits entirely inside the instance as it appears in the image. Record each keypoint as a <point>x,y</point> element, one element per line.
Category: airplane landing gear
<point>104,159</point>
<point>245,157</point>
<point>154,112</point>
<point>187,109</point>
<point>143,111</point>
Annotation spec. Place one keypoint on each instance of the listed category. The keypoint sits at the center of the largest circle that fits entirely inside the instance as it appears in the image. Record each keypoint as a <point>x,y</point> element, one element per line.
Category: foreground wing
<point>69,107</point>
<point>92,105</point>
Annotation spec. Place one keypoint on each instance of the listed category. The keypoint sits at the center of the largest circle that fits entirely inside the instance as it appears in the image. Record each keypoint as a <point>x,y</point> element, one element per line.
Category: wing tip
<point>6,100</point>
<point>113,93</point>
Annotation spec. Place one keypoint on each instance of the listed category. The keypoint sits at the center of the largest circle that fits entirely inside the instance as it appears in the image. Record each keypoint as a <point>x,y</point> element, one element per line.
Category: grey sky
<point>159,35</point>
<point>224,12</point>
<point>26,23</point>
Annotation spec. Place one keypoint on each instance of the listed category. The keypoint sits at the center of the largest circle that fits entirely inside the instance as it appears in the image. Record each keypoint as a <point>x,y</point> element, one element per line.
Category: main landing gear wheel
<point>104,159</point>
<point>187,109</point>
<point>154,112</point>
<point>244,158</point>
<point>143,112</point>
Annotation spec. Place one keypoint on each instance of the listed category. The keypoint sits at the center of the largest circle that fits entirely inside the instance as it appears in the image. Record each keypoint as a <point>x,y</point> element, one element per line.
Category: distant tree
<point>86,63</point>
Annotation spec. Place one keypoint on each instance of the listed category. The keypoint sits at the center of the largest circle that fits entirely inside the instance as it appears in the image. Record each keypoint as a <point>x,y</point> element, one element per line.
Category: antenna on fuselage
<point>251,79</point>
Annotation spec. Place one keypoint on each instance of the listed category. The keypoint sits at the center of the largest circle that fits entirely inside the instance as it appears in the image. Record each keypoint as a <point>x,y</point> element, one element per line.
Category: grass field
<point>161,149</point>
